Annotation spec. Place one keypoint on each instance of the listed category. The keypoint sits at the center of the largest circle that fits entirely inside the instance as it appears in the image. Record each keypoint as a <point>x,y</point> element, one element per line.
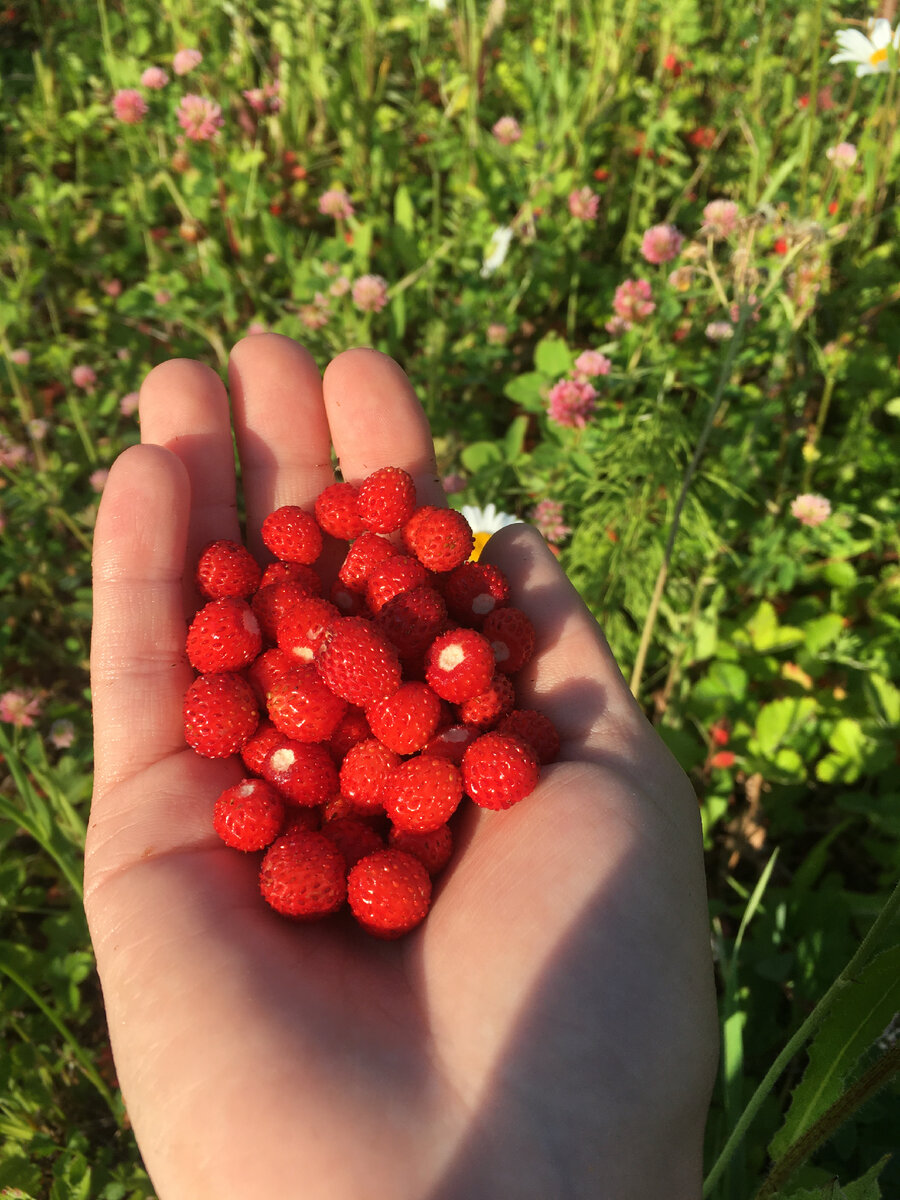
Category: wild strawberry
<point>499,771</point>
<point>405,720</point>
<point>348,601</point>
<point>511,635</point>
<point>303,772</point>
<point>223,636</point>
<point>286,572</point>
<point>472,590</point>
<point>261,742</point>
<point>459,664</point>
<point>220,714</point>
<point>408,532</point>
<point>249,815</point>
<point>303,875</point>
<point>433,849</point>
<point>368,552</point>
<point>422,793</point>
<point>273,601</point>
<point>292,534</point>
<point>363,772</point>
<point>301,818</point>
<point>227,568</point>
<point>413,620</point>
<point>303,708</point>
<point>337,513</point>
<point>443,540</point>
<point>266,670</point>
<point>393,577</point>
<point>389,892</point>
<point>353,837</point>
<point>358,662</point>
<point>304,627</point>
<point>536,729</point>
<point>353,727</point>
<point>452,743</point>
<point>386,500</point>
<point>486,709</point>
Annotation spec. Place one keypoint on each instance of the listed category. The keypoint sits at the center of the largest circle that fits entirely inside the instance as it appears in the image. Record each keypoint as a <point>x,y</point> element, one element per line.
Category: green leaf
<point>725,682</point>
<point>404,213</point>
<point>480,455</point>
<point>553,357</point>
<point>848,739</point>
<point>893,407</point>
<point>766,634</point>
<point>860,1013</point>
<point>515,438</point>
<point>883,699</point>
<point>822,631</point>
<point>527,391</point>
<point>841,575</point>
<point>778,720</point>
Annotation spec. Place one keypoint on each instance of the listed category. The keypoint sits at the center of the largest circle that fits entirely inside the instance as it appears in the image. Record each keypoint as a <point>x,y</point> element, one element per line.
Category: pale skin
<point>550,1029</point>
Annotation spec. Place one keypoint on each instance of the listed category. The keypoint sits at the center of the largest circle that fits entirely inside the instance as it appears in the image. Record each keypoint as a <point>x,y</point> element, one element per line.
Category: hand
<point>548,1031</point>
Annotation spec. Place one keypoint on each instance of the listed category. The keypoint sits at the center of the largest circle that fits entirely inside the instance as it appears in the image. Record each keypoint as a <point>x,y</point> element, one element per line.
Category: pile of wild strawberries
<point>365,718</point>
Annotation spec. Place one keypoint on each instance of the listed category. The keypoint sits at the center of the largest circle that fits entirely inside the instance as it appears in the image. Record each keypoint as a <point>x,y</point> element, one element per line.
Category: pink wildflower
<point>810,509</point>
<point>84,377</point>
<point>185,61</point>
<point>719,331</point>
<point>632,302</point>
<point>842,156</point>
<point>316,314</point>
<point>62,734</point>
<point>370,293</point>
<point>19,708</point>
<point>154,78</point>
<point>340,287</point>
<point>129,106</point>
<point>20,357</point>
<point>496,334</point>
<point>547,516</point>
<point>336,203</point>
<point>12,454</point>
<point>720,218</point>
<point>112,287</point>
<point>583,204</point>
<point>570,402</point>
<point>661,243</point>
<point>199,117</point>
<point>453,483</point>
<point>38,428</point>
<point>128,405</point>
<point>162,297</point>
<point>264,99</point>
<point>507,130</point>
<point>98,478</point>
<point>592,362</point>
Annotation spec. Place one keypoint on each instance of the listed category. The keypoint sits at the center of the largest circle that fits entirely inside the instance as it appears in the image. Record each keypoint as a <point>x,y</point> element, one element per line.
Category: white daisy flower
<point>497,250</point>
<point>484,522</point>
<point>869,53</point>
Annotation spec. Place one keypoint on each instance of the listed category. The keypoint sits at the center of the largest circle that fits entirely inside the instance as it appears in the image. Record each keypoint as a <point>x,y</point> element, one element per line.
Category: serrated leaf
<point>778,720</point>
<point>883,698</point>
<point>860,1013</point>
<point>553,357</point>
<point>822,631</point>
<point>767,635</point>
<point>848,739</point>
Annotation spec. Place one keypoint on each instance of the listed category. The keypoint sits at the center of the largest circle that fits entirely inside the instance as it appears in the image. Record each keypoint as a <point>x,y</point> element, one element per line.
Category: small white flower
<point>484,522</point>
<point>497,250</point>
<point>869,53</point>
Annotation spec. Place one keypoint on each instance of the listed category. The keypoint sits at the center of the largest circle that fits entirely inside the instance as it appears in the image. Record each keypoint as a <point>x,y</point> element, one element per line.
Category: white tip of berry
<point>304,653</point>
<point>282,759</point>
<point>450,657</point>
<point>250,622</point>
<point>483,604</point>
<point>245,789</point>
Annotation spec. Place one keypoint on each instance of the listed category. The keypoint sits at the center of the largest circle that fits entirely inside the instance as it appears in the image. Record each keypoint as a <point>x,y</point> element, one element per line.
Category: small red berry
<point>394,576</point>
<point>511,635</point>
<point>303,875</point>
<point>452,743</point>
<point>486,709</point>
<point>406,720</point>
<point>223,636</point>
<point>354,838</point>
<point>389,892</point>
<point>358,662</point>
<point>499,770</point>
<point>386,500</point>
<point>337,513</point>
<point>413,620</point>
<point>459,664</point>
<point>536,729</point>
<point>368,552</point>
<point>220,714</point>
<point>303,708</point>
<point>473,590</point>
<point>443,540</point>
<point>363,772</point>
<point>422,793</point>
<point>249,816</point>
<point>303,772</point>
<point>227,568</point>
<point>292,535</point>
<point>303,628</point>
<point>433,849</point>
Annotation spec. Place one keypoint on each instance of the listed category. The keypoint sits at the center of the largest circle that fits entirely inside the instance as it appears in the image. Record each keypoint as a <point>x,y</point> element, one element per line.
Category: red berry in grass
<point>337,513</point>
<point>304,773</point>
<point>423,793</point>
<point>486,709</point>
<point>292,535</point>
<point>303,628</point>
<point>473,590</point>
<point>433,849</point>
<point>511,635</point>
<point>223,636</point>
<point>389,892</point>
<point>227,568</point>
<point>353,837</point>
<point>443,540</point>
<point>249,815</point>
<point>406,720</point>
<point>536,729</point>
<point>498,770</point>
<point>367,553</point>
<point>386,500</point>
<point>393,577</point>
<point>452,742</point>
<point>459,664</point>
<point>303,875</point>
<point>303,708</point>
<point>358,662</point>
<point>220,714</point>
<point>363,773</point>
<point>413,620</point>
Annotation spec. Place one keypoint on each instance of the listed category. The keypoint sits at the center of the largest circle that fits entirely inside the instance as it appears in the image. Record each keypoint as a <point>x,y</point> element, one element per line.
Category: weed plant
<point>640,261</point>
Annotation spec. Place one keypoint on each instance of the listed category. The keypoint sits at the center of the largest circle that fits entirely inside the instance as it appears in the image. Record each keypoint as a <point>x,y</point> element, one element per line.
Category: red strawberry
<point>227,568</point>
<point>459,664</point>
<point>220,714</point>
<point>292,535</point>
<point>363,772</point>
<point>303,875</point>
<point>511,635</point>
<point>443,540</point>
<point>499,771</point>
<point>303,708</point>
<point>258,746</point>
<point>472,590</point>
<point>249,815</point>
<point>386,500</point>
<point>266,670</point>
<point>389,892</point>
<point>304,627</point>
<point>422,793</point>
<point>353,837</point>
<point>406,720</point>
<point>353,727</point>
<point>273,601</point>
<point>286,572</point>
<point>368,552</point>
<point>408,532</point>
<point>348,601</point>
<point>486,709</point>
<point>223,636</point>
<point>337,513</point>
<point>303,772</point>
<point>358,662</point>
<point>536,729</point>
<point>413,620</point>
<point>433,849</point>
<point>393,577</point>
<point>452,742</point>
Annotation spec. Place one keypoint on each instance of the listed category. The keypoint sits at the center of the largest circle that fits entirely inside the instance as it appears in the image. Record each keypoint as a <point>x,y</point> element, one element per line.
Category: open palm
<point>548,1031</point>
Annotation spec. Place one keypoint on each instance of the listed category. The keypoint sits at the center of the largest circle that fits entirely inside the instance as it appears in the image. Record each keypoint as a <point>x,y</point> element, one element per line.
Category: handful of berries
<point>366,717</point>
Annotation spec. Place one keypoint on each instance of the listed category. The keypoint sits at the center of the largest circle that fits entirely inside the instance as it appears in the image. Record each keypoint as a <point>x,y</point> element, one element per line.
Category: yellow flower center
<point>480,543</point>
<point>878,56</point>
